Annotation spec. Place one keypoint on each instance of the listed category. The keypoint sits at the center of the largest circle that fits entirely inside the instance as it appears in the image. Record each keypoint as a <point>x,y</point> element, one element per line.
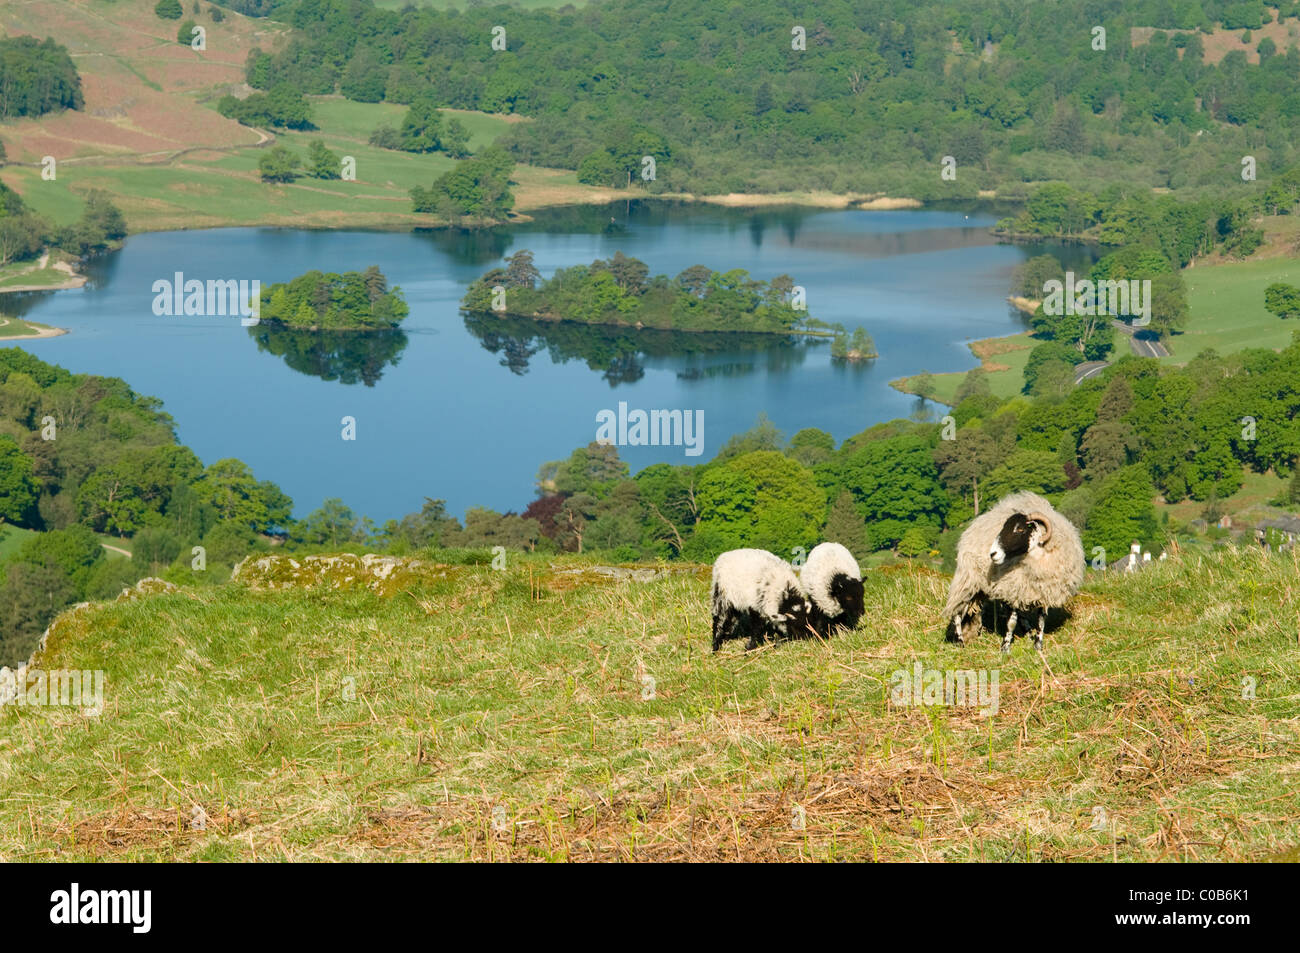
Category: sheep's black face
<point>847,591</point>
<point>794,610</point>
<point>1014,539</point>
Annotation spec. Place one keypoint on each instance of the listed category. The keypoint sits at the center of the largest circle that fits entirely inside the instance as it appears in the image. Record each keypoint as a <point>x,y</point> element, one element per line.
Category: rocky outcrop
<point>382,574</point>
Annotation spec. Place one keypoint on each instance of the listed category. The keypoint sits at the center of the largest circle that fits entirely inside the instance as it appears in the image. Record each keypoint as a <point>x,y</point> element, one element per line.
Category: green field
<point>1226,303</point>
<point>1012,354</point>
<point>12,539</point>
<point>454,711</point>
<point>213,189</point>
<point>461,4</point>
<point>41,276</point>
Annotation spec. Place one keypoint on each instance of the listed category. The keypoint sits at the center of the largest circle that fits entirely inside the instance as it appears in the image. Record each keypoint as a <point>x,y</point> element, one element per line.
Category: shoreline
<point>72,278</point>
<point>984,350</point>
<point>406,221</point>
<point>72,281</point>
<point>43,331</point>
<point>547,319</point>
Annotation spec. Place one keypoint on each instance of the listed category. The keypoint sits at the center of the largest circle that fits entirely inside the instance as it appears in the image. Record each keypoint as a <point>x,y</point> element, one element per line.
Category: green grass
<point>13,327</point>
<point>116,543</point>
<point>214,189</point>
<point>461,4</point>
<point>12,539</point>
<point>344,723</point>
<point>1257,490</point>
<point>41,276</point>
<point>1008,381</point>
<point>1226,305</point>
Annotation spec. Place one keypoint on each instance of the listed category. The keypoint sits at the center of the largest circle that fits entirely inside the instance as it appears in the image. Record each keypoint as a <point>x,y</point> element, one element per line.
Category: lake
<point>467,409</point>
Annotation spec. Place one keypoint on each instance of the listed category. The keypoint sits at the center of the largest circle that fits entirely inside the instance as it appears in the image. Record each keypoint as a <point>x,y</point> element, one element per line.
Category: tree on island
<point>520,270</point>
<point>857,346</point>
<point>327,301</point>
<point>620,291</point>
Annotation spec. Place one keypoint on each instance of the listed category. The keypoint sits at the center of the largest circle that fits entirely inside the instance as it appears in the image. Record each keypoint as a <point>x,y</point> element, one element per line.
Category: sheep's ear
<point>1044,524</point>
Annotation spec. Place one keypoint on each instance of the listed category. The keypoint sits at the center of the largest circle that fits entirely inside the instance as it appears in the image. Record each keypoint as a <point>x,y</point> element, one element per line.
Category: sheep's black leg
<point>1011,632</point>
<point>1042,627</point>
<point>725,629</point>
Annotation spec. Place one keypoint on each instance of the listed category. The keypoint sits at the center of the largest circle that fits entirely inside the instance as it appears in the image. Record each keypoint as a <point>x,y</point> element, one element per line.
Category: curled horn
<point>1042,520</point>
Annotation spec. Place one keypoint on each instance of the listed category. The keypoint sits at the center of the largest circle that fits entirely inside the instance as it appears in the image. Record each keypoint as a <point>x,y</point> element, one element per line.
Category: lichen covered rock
<point>384,575</point>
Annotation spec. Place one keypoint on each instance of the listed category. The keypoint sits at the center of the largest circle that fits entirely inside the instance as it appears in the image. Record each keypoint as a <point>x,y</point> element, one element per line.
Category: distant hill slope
<point>350,709</point>
<point>142,87</point>
<point>151,137</point>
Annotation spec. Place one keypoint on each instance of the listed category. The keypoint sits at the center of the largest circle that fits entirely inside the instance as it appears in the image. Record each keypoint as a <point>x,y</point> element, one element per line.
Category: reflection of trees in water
<point>734,369</point>
<point>470,246</point>
<point>345,356</point>
<point>620,355</point>
<point>488,245</point>
<point>99,270</point>
<point>16,304</point>
<point>648,213</point>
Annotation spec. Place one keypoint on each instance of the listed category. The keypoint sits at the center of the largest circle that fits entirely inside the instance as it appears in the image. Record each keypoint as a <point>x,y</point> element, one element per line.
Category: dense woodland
<point>1014,92</point>
<point>621,291</point>
<point>352,301</point>
<point>36,77</point>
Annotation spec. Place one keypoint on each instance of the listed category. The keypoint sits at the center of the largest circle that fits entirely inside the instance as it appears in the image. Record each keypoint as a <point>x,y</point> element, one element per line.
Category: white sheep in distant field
<point>756,595</point>
<point>833,581</point>
<point>1022,553</point>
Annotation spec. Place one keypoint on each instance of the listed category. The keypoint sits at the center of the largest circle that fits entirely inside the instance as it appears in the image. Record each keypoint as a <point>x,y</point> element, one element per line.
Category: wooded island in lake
<point>621,291</point>
<point>352,301</point>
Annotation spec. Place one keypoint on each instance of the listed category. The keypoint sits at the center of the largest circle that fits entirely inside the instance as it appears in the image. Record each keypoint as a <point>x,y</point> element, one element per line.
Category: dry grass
<point>499,715</point>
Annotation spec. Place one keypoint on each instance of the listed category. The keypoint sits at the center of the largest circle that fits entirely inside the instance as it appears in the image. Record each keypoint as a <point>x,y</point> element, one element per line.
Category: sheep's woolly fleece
<point>751,579</point>
<point>1046,580</point>
<point>825,562</point>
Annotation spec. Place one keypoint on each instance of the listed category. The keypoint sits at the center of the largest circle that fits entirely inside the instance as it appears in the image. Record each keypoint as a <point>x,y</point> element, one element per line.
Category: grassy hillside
<point>448,712</point>
<point>1226,303</point>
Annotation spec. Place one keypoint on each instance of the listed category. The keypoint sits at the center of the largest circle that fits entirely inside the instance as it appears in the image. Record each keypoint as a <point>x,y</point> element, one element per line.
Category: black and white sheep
<point>756,595</point>
<point>833,582</point>
<point>1021,553</point>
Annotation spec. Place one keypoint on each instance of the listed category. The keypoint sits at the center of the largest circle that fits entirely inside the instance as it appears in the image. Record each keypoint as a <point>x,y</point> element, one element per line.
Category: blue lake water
<point>467,411</point>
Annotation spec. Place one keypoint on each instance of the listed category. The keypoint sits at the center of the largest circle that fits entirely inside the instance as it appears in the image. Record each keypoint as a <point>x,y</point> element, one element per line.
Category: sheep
<point>1022,553</point>
<point>756,594</point>
<point>833,582</point>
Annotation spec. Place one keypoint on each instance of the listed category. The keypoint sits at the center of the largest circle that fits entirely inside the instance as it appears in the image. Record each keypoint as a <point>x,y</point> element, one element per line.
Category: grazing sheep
<point>756,595</point>
<point>1022,553</point>
<point>834,585</point>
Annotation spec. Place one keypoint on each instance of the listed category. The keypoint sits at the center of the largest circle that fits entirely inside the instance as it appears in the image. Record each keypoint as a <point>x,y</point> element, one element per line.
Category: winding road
<point>1141,346</point>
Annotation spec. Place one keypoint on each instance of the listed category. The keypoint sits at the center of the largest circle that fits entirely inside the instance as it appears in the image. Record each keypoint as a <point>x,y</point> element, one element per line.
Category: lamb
<point>1022,553</point>
<point>834,585</point>
<point>756,595</point>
